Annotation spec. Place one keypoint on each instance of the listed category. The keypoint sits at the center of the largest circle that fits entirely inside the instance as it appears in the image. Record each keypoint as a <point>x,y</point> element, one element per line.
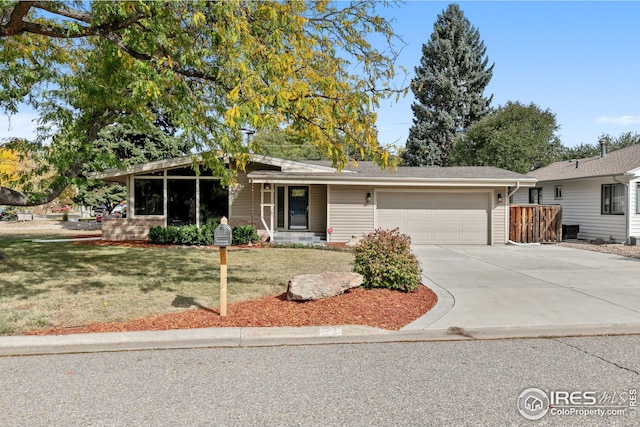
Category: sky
<point>580,60</point>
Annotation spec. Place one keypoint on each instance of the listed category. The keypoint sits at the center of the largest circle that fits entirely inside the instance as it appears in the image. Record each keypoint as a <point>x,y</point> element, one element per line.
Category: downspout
<point>628,212</point>
<point>514,191</point>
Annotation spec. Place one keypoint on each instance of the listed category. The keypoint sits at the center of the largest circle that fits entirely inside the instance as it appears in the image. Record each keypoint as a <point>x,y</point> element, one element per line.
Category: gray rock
<point>306,287</point>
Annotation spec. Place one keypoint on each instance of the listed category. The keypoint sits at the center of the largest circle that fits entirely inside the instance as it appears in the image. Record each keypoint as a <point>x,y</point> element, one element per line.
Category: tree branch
<point>14,18</point>
<point>16,25</point>
<point>77,14</point>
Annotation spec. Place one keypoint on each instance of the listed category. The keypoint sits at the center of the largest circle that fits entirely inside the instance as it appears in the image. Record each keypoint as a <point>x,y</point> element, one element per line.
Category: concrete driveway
<point>528,287</point>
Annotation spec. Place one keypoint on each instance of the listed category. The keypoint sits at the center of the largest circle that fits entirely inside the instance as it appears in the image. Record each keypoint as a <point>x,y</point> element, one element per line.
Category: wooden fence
<point>535,223</point>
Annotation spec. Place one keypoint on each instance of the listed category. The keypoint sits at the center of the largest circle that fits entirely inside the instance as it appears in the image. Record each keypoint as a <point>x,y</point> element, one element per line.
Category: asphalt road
<point>404,384</point>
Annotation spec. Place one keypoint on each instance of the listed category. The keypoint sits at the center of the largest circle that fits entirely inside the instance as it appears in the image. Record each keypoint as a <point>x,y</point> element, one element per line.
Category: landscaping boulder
<point>317,286</point>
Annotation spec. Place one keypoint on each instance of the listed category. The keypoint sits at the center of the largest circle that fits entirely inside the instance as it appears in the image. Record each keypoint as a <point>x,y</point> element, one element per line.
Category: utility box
<point>570,231</point>
<point>633,241</point>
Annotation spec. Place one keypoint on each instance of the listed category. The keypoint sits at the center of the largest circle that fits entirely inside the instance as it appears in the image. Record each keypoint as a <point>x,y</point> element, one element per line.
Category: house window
<point>557,192</point>
<point>281,208</point>
<point>612,201</point>
<point>535,196</point>
<point>214,201</point>
<point>148,196</point>
<point>638,198</point>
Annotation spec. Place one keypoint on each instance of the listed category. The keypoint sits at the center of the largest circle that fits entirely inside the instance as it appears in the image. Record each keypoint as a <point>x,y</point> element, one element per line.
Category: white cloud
<point>622,120</point>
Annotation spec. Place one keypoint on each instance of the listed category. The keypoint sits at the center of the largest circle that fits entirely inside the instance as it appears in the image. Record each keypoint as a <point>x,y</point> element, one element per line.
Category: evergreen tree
<point>448,87</point>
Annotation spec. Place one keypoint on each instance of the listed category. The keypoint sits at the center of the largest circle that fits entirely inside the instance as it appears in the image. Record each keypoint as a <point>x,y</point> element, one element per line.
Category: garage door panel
<point>436,218</point>
<point>391,201</point>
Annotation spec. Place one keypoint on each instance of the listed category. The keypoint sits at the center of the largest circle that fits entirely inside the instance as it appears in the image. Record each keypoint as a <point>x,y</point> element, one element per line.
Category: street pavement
<point>455,383</point>
<point>484,292</point>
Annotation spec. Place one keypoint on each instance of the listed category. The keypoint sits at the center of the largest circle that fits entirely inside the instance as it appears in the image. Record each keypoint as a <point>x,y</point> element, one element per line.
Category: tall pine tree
<point>448,87</point>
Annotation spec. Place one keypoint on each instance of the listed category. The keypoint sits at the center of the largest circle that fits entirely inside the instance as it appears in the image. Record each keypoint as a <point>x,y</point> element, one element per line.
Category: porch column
<point>267,190</point>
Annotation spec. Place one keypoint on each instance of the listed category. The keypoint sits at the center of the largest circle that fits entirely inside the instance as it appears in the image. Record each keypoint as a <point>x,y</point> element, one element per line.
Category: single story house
<point>600,194</point>
<point>310,200</point>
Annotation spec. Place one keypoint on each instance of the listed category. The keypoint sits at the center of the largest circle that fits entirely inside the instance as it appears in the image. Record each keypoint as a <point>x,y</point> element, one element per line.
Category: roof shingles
<point>615,163</point>
<point>370,169</point>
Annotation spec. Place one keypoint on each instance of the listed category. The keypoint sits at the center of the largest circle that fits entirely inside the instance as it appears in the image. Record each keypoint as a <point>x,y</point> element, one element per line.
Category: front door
<point>298,208</point>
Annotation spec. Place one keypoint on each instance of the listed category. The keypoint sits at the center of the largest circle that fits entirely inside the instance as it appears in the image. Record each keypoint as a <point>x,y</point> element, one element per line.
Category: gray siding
<point>521,197</point>
<point>318,208</point>
<point>244,204</point>
<point>581,206</point>
<point>635,213</point>
<point>349,215</point>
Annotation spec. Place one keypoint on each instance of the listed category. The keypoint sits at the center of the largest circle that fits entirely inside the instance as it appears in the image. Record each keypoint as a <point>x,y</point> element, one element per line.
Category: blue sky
<point>580,60</point>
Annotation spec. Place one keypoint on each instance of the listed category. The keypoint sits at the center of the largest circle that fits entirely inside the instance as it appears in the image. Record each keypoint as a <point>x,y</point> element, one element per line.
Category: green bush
<point>244,234</point>
<point>385,260</point>
<point>192,235</point>
<point>156,235</point>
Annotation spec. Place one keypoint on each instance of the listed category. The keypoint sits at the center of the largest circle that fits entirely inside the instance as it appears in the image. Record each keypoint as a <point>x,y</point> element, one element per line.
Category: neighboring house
<point>310,200</point>
<point>599,194</point>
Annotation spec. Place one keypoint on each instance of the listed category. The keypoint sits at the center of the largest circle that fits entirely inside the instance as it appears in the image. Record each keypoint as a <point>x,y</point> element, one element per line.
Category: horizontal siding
<point>521,197</point>
<point>349,215</point>
<point>244,206</point>
<point>318,208</point>
<point>635,217</point>
<point>499,219</point>
<point>581,206</point>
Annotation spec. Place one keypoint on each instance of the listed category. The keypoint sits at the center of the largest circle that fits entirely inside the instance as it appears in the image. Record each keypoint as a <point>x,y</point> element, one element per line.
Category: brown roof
<point>614,163</point>
<point>370,169</point>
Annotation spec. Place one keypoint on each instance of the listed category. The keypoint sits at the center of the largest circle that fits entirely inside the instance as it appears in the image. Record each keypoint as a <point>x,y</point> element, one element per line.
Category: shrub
<point>187,235</point>
<point>203,236</point>
<point>385,260</point>
<point>156,234</point>
<point>244,234</point>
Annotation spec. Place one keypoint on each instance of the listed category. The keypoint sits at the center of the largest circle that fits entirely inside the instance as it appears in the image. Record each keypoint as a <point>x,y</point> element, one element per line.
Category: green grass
<point>53,284</point>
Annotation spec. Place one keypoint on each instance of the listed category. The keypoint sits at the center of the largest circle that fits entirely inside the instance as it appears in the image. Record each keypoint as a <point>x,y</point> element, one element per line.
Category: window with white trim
<point>638,198</point>
<point>557,192</point>
<point>612,199</point>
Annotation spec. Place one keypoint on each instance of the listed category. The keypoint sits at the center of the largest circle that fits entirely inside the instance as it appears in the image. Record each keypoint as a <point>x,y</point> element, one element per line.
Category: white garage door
<point>436,218</point>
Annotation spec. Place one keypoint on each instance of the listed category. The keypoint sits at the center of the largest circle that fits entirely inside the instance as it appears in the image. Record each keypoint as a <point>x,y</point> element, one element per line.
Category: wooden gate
<point>535,223</point>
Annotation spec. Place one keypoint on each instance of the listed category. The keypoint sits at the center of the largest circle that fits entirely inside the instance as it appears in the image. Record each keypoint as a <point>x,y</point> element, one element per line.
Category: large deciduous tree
<point>584,150</point>
<point>211,68</point>
<point>515,137</point>
<point>448,86</point>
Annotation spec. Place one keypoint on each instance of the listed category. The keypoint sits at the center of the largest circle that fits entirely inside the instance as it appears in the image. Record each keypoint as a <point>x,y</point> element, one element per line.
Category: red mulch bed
<point>379,308</point>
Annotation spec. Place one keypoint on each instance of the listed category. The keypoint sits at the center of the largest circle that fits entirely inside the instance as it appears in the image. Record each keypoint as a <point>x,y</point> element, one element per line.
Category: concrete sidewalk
<point>544,286</point>
<point>485,292</point>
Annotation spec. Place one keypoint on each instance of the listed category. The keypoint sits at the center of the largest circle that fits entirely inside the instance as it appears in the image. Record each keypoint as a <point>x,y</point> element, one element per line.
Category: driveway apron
<point>528,286</point>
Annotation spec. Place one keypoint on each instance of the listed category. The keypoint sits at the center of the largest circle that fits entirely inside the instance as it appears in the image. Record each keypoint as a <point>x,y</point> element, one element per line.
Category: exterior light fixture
<point>267,186</point>
<point>499,197</point>
<point>368,198</point>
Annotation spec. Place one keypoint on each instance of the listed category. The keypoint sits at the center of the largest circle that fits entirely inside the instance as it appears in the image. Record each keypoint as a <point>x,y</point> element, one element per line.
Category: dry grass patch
<point>60,284</point>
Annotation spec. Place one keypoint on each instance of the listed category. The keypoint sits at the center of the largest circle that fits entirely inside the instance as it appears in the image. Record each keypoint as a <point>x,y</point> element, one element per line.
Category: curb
<point>210,338</point>
<point>282,336</point>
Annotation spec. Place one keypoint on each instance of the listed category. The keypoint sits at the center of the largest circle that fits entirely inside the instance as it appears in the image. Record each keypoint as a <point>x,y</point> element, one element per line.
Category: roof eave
<point>260,178</point>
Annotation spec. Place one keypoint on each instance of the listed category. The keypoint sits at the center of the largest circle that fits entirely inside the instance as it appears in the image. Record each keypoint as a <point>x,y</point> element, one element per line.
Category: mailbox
<point>222,235</point>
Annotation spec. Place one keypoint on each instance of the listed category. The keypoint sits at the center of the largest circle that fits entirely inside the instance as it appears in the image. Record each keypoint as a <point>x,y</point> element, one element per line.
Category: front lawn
<point>62,284</point>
